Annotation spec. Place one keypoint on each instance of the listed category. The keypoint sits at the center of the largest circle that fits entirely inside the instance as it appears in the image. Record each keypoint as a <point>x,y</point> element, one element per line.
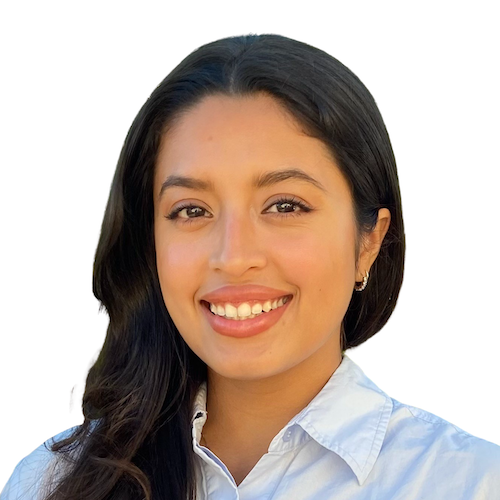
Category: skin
<point>238,236</point>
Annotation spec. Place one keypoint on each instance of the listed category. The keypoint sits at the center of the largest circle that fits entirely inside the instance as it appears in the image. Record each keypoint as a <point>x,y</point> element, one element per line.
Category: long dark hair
<point>135,441</point>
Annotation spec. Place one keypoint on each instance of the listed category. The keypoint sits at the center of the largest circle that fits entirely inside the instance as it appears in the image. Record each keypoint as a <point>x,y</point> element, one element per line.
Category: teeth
<point>256,308</point>
<point>231,311</point>
<point>245,311</point>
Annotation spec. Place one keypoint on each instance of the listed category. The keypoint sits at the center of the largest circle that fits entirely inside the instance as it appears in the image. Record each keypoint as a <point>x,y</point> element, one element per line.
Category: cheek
<point>178,266</point>
<point>321,265</point>
<point>179,272</point>
<point>320,258</point>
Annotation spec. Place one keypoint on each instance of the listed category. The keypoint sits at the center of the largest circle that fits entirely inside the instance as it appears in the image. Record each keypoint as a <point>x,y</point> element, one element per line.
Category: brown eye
<point>192,212</point>
<point>290,206</point>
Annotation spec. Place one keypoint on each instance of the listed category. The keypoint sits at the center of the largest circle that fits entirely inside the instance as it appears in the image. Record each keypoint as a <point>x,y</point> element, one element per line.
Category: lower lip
<point>247,327</point>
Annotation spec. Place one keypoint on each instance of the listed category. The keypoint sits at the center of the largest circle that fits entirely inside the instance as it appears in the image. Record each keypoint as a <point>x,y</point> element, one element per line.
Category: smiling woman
<point>277,201</point>
<point>253,234</point>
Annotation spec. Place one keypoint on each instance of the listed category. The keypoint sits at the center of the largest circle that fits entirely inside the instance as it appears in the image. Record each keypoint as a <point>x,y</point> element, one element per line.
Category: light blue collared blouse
<point>351,442</point>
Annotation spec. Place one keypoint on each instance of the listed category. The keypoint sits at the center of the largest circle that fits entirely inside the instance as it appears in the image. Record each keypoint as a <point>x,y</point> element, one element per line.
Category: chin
<point>244,369</point>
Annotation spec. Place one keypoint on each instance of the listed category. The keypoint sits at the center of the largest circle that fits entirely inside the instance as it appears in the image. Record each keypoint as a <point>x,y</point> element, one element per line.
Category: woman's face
<point>288,233</point>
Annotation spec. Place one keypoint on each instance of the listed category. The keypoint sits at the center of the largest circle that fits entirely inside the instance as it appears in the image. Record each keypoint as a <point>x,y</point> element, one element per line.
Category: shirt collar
<point>349,417</point>
<point>200,402</point>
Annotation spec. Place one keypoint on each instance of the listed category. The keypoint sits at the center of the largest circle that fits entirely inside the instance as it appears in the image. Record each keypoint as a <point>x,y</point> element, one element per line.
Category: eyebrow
<point>261,181</point>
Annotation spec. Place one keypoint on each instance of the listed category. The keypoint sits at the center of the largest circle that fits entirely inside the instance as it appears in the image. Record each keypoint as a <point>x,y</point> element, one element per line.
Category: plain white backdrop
<point>74,75</point>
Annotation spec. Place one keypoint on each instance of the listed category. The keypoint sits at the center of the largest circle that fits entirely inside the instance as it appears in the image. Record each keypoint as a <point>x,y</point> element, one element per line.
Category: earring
<point>363,286</point>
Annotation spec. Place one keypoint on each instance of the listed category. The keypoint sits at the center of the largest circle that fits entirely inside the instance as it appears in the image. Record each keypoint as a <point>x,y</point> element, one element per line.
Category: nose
<point>236,245</point>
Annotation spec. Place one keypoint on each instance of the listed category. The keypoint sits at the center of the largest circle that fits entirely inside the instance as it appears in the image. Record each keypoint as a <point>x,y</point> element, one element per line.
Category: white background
<point>74,75</point>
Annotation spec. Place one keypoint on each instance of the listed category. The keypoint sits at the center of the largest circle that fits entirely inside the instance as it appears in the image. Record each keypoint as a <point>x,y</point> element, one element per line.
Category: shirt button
<point>288,435</point>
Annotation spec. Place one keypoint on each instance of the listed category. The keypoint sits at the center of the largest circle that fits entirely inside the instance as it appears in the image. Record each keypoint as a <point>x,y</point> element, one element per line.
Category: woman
<point>253,234</point>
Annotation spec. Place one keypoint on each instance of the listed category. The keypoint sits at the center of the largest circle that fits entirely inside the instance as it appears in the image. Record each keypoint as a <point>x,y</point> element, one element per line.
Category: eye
<point>287,207</point>
<point>191,210</point>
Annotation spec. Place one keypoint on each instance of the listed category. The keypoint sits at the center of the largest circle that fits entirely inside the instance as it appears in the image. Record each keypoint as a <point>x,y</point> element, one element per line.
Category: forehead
<point>219,110</point>
<point>224,137</point>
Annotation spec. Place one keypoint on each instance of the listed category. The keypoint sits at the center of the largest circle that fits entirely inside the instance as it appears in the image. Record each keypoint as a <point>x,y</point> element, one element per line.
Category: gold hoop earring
<point>363,285</point>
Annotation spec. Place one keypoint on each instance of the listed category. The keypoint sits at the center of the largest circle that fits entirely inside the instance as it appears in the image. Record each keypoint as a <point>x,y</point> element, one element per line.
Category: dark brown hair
<point>135,441</point>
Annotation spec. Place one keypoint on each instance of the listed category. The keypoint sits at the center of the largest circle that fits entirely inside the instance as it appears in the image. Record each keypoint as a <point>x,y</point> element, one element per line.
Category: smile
<point>246,310</point>
<point>246,326</point>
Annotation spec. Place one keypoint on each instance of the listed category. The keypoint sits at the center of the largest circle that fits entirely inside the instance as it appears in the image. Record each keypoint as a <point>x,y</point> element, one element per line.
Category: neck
<point>247,414</point>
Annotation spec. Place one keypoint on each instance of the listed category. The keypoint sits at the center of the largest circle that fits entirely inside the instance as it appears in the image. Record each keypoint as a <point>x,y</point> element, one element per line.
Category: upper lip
<point>243,293</point>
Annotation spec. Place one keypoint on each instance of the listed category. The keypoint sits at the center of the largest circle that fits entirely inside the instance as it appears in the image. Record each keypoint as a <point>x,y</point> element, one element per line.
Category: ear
<point>371,244</point>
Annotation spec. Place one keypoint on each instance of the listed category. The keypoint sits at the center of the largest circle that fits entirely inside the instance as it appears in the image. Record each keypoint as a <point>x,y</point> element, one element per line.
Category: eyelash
<point>174,215</point>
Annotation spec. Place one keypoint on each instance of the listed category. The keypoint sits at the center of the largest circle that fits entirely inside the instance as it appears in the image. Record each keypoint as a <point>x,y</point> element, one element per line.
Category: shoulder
<point>28,477</point>
<point>446,449</point>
